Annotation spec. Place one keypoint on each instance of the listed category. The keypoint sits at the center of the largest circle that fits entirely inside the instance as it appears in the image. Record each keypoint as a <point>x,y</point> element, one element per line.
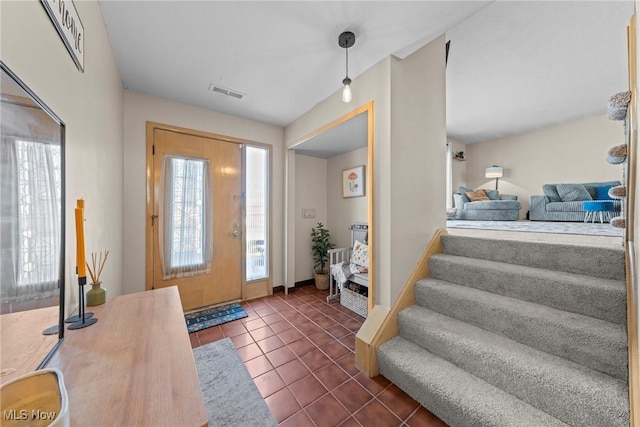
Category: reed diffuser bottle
<point>97,294</point>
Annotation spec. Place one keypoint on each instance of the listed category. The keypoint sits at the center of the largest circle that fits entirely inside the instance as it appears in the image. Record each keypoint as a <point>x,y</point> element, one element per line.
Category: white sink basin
<point>36,399</point>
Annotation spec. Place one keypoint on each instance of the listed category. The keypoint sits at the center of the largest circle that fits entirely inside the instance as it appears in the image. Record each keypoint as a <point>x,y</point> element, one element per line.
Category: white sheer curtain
<point>185,217</point>
<point>30,231</point>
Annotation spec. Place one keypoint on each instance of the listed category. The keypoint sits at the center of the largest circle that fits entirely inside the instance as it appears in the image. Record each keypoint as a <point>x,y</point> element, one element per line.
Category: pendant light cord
<point>347,62</point>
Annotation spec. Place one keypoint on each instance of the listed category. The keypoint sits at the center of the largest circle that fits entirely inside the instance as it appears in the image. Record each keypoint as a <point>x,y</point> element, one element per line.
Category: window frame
<point>268,215</point>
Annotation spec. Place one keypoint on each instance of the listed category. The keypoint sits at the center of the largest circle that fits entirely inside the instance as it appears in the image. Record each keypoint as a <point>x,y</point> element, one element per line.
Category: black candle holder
<point>52,330</point>
<point>83,319</point>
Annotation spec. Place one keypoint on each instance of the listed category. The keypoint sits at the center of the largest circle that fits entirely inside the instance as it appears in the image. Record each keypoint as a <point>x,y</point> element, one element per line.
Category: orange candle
<point>82,264</point>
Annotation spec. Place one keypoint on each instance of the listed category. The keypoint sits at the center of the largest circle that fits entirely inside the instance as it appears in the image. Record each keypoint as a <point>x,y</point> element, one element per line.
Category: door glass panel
<point>186,217</point>
<point>257,265</point>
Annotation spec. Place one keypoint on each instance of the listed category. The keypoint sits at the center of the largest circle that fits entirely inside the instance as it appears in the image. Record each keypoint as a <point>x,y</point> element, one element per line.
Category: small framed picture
<point>353,182</point>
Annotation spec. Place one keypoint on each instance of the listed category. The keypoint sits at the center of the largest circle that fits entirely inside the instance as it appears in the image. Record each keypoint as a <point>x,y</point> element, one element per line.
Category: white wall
<point>140,108</point>
<point>91,106</point>
<point>573,152</point>
<point>342,212</point>
<point>311,193</point>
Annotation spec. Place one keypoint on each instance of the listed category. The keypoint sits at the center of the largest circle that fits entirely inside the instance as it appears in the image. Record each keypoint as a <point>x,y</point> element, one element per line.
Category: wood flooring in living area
<point>299,350</point>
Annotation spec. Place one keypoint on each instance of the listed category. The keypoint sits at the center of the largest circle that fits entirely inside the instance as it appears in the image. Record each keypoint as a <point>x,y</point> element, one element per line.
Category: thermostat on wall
<point>308,213</point>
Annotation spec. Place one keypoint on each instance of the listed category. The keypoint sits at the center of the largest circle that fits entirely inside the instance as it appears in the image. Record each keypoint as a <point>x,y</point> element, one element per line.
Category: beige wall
<point>91,106</point>
<point>342,212</point>
<point>372,85</point>
<point>418,147</point>
<point>459,168</point>
<point>571,152</point>
<point>634,237</point>
<point>410,136</point>
<point>318,185</point>
<point>138,109</point>
<point>311,193</point>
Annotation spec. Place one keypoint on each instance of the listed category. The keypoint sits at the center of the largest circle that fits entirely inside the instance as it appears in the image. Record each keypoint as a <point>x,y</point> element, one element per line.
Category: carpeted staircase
<point>512,333</point>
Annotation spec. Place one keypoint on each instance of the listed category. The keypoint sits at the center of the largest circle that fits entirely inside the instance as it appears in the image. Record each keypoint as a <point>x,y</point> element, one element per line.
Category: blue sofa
<point>564,203</point>
<point>500,207</point>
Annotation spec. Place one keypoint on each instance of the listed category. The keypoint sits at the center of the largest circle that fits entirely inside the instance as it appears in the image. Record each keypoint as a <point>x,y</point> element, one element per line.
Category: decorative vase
<point>96,295</point>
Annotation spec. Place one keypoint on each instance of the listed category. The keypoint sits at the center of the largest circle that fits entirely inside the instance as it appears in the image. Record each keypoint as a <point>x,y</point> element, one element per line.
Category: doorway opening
<point>316,164</point>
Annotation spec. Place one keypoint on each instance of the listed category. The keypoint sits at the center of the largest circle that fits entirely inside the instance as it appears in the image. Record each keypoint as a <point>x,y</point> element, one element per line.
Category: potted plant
<point>320,245</point>
<point>458,155</point>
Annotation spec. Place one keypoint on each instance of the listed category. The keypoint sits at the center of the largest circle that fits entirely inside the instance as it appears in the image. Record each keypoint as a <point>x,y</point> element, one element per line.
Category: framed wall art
<point>353,182</point>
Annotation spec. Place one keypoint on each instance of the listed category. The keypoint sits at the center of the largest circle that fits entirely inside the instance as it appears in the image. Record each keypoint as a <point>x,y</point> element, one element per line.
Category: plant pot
<point>96,295</point>
<point>322,280</point>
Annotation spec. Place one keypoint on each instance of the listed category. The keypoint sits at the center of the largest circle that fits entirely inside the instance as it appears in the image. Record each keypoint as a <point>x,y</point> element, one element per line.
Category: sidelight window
<point>257,260</point>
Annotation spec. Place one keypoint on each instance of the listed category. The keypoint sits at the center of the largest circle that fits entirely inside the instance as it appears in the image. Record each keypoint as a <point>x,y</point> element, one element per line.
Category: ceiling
<point>343,138</point>
<point>513,66</point>
<point>519,66</point>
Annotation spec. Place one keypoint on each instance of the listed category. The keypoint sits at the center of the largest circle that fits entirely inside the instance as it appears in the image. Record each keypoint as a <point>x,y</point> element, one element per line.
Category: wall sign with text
<point>65,17</point>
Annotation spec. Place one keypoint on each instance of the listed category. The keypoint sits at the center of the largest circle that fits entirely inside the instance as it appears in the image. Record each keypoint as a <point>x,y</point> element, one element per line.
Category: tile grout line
<point>311,305</point>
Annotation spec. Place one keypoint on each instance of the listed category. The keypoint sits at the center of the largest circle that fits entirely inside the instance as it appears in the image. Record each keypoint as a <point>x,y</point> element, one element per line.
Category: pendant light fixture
<point>346,40</point>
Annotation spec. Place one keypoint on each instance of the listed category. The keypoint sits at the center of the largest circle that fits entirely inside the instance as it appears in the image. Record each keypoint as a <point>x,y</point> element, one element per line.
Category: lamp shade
<point>493,172</point>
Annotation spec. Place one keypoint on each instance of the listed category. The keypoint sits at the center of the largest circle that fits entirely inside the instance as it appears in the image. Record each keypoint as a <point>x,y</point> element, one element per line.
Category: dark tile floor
<point>300,353</point>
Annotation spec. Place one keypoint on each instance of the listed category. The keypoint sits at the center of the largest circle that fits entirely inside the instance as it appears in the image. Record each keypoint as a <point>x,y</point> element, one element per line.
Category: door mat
<point>209,317</point>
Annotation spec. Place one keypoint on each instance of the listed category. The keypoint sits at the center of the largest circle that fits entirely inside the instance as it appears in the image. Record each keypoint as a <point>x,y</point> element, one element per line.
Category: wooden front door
<point>205,284</point>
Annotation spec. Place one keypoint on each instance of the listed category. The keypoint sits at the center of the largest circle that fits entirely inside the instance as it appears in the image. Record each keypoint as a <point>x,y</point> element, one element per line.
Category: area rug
<point>209,317</point>
<point>590,229</point>
<point>230,395</point>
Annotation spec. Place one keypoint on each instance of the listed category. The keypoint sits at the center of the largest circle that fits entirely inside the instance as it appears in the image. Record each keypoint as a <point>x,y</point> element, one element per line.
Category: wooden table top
<point>24,346</point>
<point>134,367</point>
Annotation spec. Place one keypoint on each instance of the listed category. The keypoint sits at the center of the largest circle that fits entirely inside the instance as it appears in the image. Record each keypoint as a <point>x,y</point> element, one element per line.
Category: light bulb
<point>346,91</point>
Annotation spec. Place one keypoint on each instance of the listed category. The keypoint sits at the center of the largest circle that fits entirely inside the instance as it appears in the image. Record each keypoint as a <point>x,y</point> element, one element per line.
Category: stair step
<point>603,299</point>
<point>594,343</point>
<point>587,260</point>
<point>455,396</point>
<point>567,391</point>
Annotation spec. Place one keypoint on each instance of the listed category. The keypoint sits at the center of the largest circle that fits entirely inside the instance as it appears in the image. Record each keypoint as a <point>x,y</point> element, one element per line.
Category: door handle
<point>235,233</point>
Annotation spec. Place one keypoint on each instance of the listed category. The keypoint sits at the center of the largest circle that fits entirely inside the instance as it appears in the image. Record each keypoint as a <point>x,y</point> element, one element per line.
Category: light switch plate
<point>308,213</point>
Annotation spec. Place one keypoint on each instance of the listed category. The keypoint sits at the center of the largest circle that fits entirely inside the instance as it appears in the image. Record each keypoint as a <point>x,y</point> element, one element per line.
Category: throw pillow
<point>602,192</point>
<point>551,192</point>
<point>360,254</point>
<point>573,192</point>
<point>493,194</point>
<point>462,191</point>
<point>476,196</point>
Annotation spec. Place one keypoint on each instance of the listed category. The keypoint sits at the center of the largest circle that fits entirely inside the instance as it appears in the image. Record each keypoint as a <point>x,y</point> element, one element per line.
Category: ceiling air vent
<point>226,91</point>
